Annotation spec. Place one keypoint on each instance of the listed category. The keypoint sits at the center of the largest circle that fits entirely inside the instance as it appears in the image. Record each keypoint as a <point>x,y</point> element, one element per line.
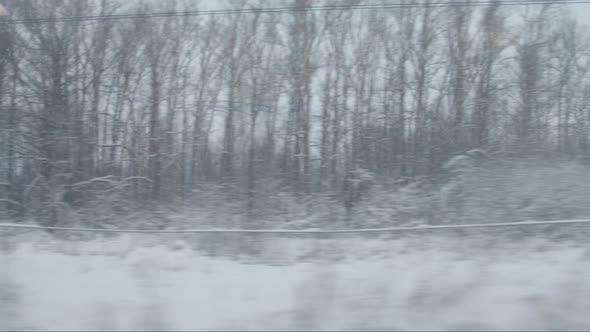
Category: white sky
<point>582,12</point>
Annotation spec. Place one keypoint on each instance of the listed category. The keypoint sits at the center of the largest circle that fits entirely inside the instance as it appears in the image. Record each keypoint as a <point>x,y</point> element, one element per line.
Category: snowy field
<point>454,281</point>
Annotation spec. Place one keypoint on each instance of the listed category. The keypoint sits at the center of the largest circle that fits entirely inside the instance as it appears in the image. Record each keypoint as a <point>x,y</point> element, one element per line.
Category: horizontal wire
<point>279,10</point>
<point>301,232</point>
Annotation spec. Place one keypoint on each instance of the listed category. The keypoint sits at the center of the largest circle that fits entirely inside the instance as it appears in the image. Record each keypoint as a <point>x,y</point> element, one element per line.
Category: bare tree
<point>459,43</point>
<point>494,39</point>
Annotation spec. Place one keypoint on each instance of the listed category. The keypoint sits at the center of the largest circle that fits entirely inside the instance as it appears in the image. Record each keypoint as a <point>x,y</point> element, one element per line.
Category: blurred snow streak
<point>444,281</point>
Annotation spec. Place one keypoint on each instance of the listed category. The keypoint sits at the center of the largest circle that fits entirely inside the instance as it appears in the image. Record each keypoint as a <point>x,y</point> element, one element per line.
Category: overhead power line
<point>291,9</point>
<point>299,232</point>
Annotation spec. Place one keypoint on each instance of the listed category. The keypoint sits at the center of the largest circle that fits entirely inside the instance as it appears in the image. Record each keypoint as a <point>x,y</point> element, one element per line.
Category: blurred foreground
<point>447,280</point>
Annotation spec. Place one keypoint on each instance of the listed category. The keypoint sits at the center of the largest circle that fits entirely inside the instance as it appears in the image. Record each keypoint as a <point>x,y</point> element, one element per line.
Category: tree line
<point>305,101</point>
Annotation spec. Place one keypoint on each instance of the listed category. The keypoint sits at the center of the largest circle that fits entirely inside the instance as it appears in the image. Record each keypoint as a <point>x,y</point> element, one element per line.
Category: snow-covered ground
<point>417,282</point>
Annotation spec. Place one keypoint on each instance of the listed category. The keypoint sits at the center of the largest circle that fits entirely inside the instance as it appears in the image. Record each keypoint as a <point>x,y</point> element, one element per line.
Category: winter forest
<point>258,112</point>
<point>294,115</point>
